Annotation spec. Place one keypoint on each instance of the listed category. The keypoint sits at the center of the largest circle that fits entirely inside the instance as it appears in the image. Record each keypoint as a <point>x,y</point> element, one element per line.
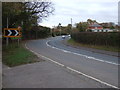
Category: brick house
<point>95,26</point>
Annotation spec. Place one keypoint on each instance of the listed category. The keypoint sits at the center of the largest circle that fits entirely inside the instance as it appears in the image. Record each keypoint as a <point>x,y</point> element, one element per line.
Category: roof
<point>95,25</point>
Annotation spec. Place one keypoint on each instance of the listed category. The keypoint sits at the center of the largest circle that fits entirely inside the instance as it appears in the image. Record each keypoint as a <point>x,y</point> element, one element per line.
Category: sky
<point>81,10</point>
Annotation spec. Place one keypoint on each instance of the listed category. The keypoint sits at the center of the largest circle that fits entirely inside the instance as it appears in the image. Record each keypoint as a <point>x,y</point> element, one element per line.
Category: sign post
<point>7,37</point>
<point>14,33</point>
<point>20,33</point>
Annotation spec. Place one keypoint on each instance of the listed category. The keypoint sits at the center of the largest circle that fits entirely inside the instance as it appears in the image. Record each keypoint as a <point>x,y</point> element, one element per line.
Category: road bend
<point>102,67</point>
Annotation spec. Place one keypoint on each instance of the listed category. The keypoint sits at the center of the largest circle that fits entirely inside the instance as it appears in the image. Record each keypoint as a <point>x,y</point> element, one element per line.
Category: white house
<point>102,30</point>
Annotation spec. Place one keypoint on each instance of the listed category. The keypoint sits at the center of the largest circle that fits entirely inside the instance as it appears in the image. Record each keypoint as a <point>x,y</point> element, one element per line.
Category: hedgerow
<point>97,38</point>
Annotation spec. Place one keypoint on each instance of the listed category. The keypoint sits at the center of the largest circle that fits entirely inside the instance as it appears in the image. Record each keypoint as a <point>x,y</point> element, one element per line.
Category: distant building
<point>98,28</point>
<point>95,26</point>
<point>107,25</point>
<point>103,30</point>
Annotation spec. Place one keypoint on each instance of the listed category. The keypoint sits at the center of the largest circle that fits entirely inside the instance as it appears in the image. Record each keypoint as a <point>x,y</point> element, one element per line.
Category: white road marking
<point>92,78</point>
<point>16,32</point>
<point>102,82</point>
<point>93,58</point>
<point>51,60</point>
<point>39,55</point>
<point>9,32</point>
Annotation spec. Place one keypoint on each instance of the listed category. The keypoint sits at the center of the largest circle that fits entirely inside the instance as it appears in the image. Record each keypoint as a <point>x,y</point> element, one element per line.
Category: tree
<point>41,9</point>
<point>25,14</point>
<point>82,26</point>
<point>11,11</point>
<point>26,11</point>
<point>90,21</point>
<point>69,28</point>
<point>112,27</point>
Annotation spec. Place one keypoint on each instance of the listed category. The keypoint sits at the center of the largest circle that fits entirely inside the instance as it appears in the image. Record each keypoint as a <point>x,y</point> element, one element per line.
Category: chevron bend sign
<point>12,32</point>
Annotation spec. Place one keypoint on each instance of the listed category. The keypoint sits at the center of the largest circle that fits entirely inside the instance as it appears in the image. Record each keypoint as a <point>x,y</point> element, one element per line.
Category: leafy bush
<point>97,38</point>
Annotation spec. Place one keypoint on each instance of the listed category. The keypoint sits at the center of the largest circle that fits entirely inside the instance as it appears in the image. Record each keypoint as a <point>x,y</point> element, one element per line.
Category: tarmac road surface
<point>54,49</point>
<point>64,67</point>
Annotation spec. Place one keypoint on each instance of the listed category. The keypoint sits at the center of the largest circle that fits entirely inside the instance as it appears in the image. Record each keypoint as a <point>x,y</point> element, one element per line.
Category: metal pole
<point>60,30</point>
<point>18,42</point>
<point>7,37</point>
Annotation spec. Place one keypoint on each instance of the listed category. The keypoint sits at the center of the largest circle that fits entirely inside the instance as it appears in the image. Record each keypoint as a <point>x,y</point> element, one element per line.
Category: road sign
<point>12,32</point>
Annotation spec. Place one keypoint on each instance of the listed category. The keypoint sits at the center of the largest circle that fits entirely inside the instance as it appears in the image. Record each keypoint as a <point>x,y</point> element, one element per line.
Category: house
<point>105,30</point>
<point>95,28</point>
<point>107,25</point>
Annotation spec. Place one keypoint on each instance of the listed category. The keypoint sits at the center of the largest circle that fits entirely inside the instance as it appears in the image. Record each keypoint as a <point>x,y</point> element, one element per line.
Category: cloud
<point>81,10</point>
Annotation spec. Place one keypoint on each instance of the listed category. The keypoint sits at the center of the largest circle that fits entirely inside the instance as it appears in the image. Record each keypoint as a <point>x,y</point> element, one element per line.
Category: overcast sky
<point>81,10</point>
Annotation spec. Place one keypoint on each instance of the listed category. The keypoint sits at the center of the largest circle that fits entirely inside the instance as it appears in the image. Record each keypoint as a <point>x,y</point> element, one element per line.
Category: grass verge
<point>14,55</point>
<point>107,48</point>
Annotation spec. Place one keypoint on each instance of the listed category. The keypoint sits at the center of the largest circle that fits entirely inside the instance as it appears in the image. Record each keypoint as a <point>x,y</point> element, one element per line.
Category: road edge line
<point>102,82</point>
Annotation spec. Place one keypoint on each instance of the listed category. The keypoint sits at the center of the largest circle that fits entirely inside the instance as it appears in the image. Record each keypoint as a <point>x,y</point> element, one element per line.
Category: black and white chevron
<point>11,33</point>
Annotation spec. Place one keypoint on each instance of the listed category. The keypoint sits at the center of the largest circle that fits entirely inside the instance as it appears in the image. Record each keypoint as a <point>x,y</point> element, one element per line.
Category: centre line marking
<point>102,82</point>
<point>93,58</point>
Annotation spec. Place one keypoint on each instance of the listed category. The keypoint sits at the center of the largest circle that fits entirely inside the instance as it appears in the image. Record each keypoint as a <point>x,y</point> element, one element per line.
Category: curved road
<point>86,62</point>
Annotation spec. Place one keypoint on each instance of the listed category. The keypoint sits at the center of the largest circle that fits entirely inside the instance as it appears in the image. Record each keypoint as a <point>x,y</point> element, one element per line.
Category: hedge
<point>98,38</point>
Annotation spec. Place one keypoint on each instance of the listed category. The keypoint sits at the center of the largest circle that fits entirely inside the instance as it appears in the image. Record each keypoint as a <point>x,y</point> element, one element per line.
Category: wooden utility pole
<point>71,27</point>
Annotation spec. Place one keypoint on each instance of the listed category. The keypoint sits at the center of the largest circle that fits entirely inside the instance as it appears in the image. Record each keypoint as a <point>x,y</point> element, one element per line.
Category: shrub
<point>97,38</point>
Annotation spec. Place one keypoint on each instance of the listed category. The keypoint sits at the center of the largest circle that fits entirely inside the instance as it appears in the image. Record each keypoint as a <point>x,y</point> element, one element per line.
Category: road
<point>98,67</point>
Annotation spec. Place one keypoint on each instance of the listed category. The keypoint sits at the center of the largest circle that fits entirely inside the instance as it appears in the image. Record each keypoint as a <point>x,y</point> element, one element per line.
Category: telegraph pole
<point>71,21</point>
<point>71,26</point>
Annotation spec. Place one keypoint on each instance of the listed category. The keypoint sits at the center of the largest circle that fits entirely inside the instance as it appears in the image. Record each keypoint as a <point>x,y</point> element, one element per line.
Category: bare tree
<point>41,9</point>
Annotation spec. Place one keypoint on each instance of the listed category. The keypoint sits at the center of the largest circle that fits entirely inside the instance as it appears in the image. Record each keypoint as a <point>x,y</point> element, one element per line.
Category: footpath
<point>44,75</point>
